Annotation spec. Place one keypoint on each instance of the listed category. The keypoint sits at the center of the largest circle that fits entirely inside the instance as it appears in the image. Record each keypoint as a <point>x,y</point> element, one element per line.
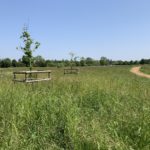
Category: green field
<point>146,69</point>
<point>105,108</point>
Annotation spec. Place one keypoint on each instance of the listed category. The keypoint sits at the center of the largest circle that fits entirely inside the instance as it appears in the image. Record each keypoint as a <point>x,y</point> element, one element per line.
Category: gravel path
<point>136,70</point>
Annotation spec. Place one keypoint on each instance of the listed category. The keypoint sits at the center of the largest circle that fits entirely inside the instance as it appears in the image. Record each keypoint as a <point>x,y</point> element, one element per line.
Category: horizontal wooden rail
<point>29,72</point>
<point>71,71</point>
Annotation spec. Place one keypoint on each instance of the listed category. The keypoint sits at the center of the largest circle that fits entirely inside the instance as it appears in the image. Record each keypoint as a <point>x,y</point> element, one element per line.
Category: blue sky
<point>117,29</point>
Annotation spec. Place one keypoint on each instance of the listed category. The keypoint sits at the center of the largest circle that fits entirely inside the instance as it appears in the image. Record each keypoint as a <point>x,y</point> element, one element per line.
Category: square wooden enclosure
<point>71,71</point>
<point>31,76</point>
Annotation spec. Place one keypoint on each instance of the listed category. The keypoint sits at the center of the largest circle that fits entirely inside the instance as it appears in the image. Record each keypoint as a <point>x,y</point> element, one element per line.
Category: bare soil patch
<point>136,70</point>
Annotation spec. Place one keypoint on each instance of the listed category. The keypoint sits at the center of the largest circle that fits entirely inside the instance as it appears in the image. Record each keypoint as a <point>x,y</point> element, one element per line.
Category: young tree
<point>71,59</point>
<point>29,46</point>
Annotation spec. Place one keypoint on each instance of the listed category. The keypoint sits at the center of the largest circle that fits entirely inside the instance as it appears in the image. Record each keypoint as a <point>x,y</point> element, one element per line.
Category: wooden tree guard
<point>71,71</point>
<point>31,76</point>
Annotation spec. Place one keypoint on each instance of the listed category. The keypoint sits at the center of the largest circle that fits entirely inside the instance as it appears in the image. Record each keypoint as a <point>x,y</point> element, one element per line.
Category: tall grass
<point>146,69</point>
<point>101,108</point>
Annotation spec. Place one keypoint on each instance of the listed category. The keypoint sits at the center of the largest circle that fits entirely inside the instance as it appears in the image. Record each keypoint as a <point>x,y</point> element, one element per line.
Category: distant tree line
<point>39,61</point>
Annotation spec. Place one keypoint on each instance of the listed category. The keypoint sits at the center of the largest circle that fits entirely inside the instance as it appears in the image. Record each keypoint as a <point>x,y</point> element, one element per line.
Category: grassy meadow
<point>102,108</point>
<point>146,69</point>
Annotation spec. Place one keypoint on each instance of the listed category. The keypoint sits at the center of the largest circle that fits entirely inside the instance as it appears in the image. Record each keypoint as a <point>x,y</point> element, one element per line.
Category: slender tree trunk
<point>30,64</point>
<point>30,67</point>
<point>71,64</point>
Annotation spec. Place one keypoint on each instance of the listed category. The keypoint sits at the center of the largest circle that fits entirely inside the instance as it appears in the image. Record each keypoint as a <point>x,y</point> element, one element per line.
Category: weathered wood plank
<point>33,80</point>
<point>37,80</point>
<point>30,72</point>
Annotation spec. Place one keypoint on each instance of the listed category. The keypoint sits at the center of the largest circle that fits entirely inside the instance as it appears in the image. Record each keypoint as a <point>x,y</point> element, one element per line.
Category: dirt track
<point>136,70</point>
